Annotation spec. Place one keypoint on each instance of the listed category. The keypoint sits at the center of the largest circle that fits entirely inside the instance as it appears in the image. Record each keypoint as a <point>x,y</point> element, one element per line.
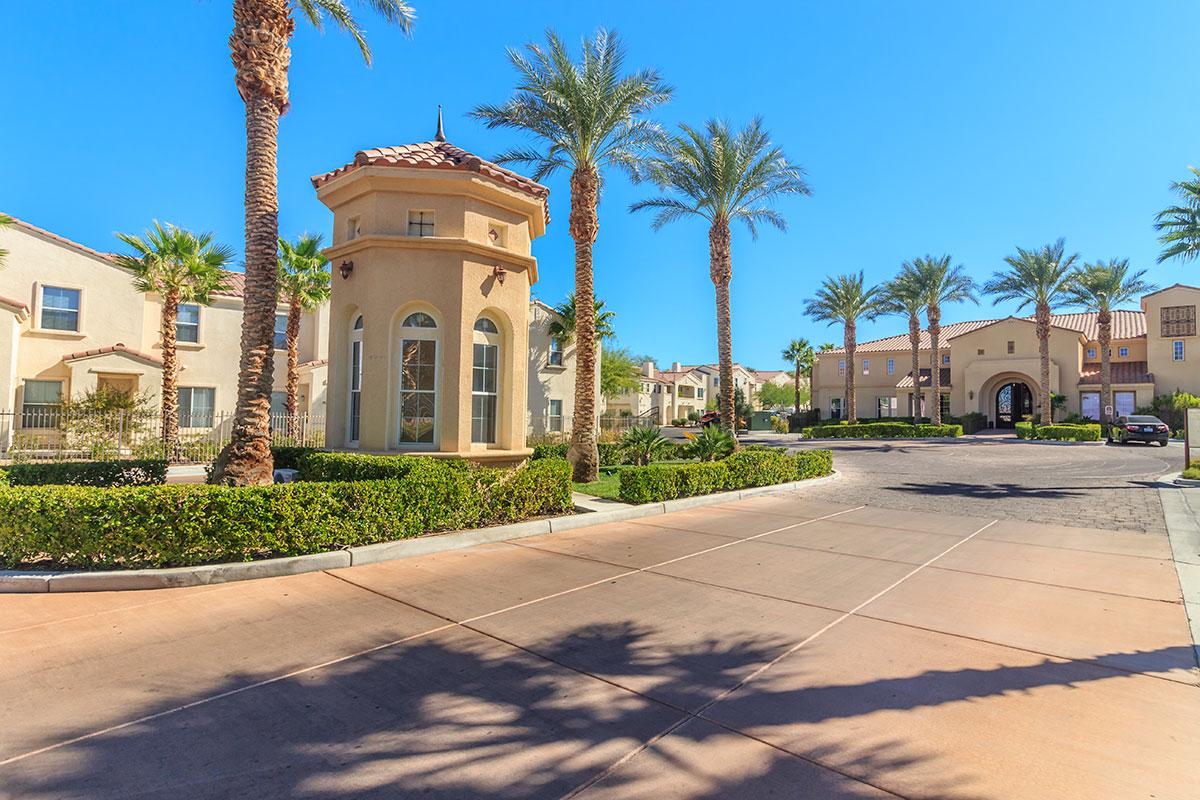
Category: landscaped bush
<point>88,473</point>
<point>1024,430</point>
<point>882,430</point>
<point>1192,472</point>
<point>288,457</point>
<point>745,468</point>
<point>973,422</point>
<point>324,466</point>
<point>710,444</point>
<point>1088,432</point>
<point>162,526</point>
<point>780,424</point>
<point>611,453</point>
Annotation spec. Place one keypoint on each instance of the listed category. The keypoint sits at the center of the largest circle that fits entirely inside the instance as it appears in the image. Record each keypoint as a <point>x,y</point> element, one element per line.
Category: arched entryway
<point>1014,402</point>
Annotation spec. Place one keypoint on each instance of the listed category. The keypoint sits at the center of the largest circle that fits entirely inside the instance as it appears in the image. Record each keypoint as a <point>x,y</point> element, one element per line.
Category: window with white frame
<point>280,339</point>
<point>418,380</point>
<point>944,404</point>
<point>40,404</point>
<point>1011,347</point>
<point>1123,352</point>
<point>886,407</point>
<point>866,366</point>
<point>60,309</point>
<point>484,374</point>
<point>891,366</point>
<point>835,408</point>
<point>1089,404</point>
<point>555,358</point>
<point>421,223</point>
<point>187,323</point>
<point>555,424</point>
<point>1091,352</point>
<point>841,366</point>
<point>1177,350</point>
<point>356,370</point>
<point>946,359</point>
<point>196,406</point>
<point>1124,403</point>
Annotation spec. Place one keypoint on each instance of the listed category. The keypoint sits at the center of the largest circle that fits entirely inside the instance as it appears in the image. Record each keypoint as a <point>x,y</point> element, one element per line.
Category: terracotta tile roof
<point>670,376</point>
<point>767,374</point>
<point>119,347</point>
<point>1122,372</point>
<point>235,285</point>
<point>436,155</point>
<point>926,378</point>
<point>1126,325</point>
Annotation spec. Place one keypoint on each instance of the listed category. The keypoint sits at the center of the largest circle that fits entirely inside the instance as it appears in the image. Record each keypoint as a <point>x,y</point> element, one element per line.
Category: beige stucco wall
<point>547,381</point>
<point>1169,374</point>
<point>449,276</point>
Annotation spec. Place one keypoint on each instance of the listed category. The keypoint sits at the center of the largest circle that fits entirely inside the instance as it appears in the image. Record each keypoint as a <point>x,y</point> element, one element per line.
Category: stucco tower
<point>429,314</point>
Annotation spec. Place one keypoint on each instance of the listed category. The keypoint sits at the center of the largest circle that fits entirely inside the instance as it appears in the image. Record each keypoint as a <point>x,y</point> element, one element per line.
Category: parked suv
<point>1140,428</point>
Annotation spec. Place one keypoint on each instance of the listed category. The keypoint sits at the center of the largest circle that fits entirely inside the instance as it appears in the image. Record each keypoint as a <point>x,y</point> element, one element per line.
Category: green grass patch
<point>608,486</point>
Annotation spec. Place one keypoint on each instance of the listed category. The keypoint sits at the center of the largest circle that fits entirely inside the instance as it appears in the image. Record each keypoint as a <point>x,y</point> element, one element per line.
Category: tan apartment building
<point>551,375</point>
<point>71,321</point>
<point>991,367</point>
<point>662,395</point>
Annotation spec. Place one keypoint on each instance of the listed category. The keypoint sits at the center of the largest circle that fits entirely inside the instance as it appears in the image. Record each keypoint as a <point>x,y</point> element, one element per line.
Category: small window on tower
<point>421,223</point>
<point>1012,347</point>
<point>497,235</point>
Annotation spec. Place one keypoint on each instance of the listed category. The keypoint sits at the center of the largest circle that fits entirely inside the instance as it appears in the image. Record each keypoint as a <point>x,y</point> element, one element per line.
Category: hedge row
<point>658,482</point>
<point>1088,432</point>
<point>882,430</point>
<point>612,454</point>
<point>86,473</point>
<point>180,525</point>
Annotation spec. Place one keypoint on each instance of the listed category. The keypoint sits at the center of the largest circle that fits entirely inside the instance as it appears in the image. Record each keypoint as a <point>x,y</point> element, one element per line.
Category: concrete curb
<point>1183,530</point>
<point>15,581</point>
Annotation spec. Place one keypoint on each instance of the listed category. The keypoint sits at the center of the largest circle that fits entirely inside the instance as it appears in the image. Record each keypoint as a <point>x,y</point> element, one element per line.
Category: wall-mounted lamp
<point>498,272</point>
<point>971,395</point>
<point>345,269</point>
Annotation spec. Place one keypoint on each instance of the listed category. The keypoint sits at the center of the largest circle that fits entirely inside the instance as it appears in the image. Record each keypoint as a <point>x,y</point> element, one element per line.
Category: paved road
<point>1087,485</point>
<point>774,647</point>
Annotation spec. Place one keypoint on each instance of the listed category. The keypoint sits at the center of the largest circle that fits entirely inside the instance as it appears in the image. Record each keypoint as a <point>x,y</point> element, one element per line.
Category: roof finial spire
<point>440,136</point>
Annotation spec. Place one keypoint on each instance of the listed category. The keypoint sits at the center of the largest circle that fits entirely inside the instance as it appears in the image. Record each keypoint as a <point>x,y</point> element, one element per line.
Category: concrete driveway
<point>773,647</point>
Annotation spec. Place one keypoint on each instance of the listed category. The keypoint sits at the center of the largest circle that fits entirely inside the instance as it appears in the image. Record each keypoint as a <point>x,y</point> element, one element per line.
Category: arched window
<point>418,380</point>
<point>356,367</point>
<point>485,374</point>
<point>419,320</point>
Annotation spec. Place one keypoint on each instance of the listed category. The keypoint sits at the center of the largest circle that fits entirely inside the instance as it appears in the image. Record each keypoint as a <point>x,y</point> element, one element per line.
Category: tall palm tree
<point>1041,278</point>
<point>562,327</point>
<point>5,221</point>
<point>845,299</point>
<point>304,284</point>
<point>906,294</point>
<point>1100,287</point>
<point>259,46</point>
<point>588,116</point>
<point>722,176</point>
<point>180,267</point>
<point>944,282</point>
<point>1180,224</point>
<point>800,353</point>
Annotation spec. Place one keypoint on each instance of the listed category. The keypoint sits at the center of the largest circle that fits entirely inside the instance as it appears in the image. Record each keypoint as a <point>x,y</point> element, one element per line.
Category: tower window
<point>421,223</point>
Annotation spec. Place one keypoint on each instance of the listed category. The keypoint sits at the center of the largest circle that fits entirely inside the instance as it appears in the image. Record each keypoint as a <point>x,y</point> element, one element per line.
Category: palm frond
<point>394,12</point>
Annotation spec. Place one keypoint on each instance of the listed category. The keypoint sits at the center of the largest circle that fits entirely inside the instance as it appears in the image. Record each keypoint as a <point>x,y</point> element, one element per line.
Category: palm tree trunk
<point>170,376</point>
<point>260,54</point>
<point>850,345</point>
<point>1104,319</point>
<point>1042,319</point>
<point>293,364</point>
<point>797,410</point>
<point>914,340</point>
<point>584,226</point>
<point>935,363</point>
<point>720,269</point>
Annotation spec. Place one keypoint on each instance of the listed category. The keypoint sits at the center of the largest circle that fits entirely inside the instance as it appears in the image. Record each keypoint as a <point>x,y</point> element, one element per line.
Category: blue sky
<point>965,128</point>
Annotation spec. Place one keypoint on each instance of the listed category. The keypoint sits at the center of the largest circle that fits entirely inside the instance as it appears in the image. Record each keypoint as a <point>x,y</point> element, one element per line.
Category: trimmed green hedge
<point>180,525</point>
<point>87,473</point>
<point>1063,432</point>
<point>288,457</point>
<point>882,430</point>
<point>745,468</point>
<point>611,453</point>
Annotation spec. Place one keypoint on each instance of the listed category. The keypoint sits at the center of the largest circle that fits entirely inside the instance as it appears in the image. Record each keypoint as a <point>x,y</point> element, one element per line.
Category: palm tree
<point>1100,287</point>
<point>845,299</point>
<point>906,294</point>
<point>827,346</point>
<point>588,116</point>
<point>261,53</point>
<point>304,284</point>
<point>180,267</point>
<point>562,327</point>
<point>5,221</point>
<point>944,282</point>
<point>722,176</point>
<point>800,353</point>
<point>1041,278</point>
<point>1181,223</point>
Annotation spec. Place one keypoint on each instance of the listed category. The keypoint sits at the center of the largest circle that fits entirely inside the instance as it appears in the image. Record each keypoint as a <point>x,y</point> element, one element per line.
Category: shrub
<point>644,445</point>
<point>1024,430</point>
<point>324,466</point>
<point>745,468</point>
<point>89,473</point>
<point>710,444</point>
<point>1088,432</point>
<point>973,422</point>
<point>882,430</point>
<point>780,424</point>
<point>550,450</point>
<point>1192,472</point>
<point>163,526</point>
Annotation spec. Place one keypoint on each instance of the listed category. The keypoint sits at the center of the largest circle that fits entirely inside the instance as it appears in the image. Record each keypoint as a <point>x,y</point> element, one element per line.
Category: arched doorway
<point>1014,402</point>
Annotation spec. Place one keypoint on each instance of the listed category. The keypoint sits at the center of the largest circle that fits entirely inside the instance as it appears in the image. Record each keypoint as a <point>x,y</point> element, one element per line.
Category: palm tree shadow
<point>460,715</point>
<point>987,491</point>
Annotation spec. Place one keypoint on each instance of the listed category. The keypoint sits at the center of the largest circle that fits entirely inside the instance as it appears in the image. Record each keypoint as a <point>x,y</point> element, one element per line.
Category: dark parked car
<point>1139,428</point>
<point>710,418</point>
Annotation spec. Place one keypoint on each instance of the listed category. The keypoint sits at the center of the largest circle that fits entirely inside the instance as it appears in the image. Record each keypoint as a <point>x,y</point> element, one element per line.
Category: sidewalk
<point>1181,507</point>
